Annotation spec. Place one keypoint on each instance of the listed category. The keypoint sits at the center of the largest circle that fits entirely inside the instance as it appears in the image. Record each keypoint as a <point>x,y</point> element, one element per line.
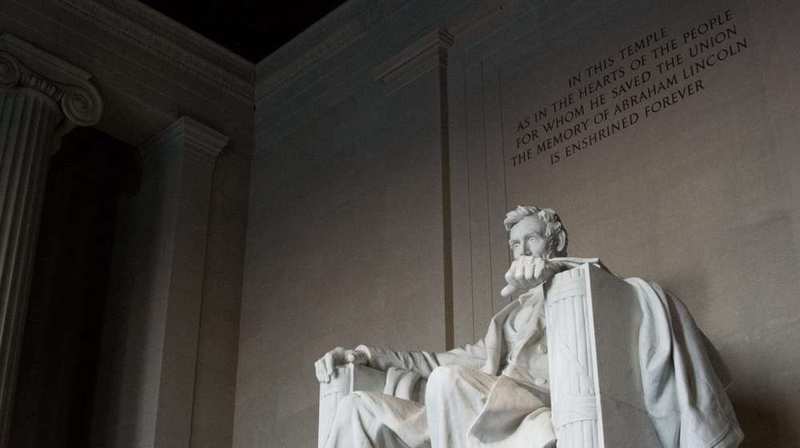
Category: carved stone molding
<point>475,18</point>
<point>420,57</point>
<point>347,35</point>
<point>201,140</point>
<point>23,65</point>
<point>322,42</point>
<point>186,38</point>
<point>169,41</point>
<point>196,139</point>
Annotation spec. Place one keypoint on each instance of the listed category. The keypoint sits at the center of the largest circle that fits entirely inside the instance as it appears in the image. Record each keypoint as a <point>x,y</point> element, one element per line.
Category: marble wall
<point>347,239</point>
<point>392,136</point>
<point>682,187</point>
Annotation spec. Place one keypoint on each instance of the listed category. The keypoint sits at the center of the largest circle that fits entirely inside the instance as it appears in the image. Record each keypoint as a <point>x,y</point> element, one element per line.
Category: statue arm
<point>422,362</point>
<point>469,355</point>
<point>382,359</point>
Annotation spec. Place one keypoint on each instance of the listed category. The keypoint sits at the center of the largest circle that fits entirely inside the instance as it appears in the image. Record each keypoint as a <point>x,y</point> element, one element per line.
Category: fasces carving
<point>572,363</point>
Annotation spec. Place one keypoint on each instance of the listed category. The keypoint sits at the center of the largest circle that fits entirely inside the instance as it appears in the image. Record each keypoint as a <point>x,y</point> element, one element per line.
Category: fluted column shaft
<point>28,121</point>
<point>40,98</point>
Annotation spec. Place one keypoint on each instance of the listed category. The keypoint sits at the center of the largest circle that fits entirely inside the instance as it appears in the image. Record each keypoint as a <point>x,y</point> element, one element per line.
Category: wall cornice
<point>322,42</point>
<point>170,42</point>
<point>340,39</point>
<point>360,20</point>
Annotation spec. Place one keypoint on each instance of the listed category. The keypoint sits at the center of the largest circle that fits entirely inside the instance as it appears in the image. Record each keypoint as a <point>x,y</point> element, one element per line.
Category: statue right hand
<point>326,366</point>
<point>527,272</point>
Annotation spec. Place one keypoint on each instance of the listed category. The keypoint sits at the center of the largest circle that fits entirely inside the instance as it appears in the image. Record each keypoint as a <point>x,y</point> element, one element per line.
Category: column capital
<point>23,65</point>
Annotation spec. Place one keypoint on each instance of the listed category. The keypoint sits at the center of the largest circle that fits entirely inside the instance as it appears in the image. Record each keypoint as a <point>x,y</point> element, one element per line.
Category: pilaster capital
<point>195,139</point>
<point>23,65</point>
<point>201,140</point>
<point>421,56</point>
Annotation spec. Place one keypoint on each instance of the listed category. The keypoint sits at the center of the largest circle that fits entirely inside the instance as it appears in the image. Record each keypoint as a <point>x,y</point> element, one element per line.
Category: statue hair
<point>554,228</point>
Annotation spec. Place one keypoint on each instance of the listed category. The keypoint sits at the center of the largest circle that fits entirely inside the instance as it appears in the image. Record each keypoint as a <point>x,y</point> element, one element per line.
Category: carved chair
<point>595,383</point>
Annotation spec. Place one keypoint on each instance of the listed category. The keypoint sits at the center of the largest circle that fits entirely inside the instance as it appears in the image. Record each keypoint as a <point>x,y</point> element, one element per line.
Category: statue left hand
<point>326,366</point>
<point>527,272</point>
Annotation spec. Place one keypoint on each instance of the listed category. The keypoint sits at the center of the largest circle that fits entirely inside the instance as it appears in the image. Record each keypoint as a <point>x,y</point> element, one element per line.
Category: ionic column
<point>41,98</point>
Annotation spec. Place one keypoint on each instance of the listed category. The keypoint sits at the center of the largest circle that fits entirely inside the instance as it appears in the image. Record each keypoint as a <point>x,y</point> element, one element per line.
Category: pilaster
<point>428,54</point>
<point>193,149</point>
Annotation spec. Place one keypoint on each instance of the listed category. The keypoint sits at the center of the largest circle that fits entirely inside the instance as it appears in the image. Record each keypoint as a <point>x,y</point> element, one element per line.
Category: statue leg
<point>369,419</point>
<point>454,397</point>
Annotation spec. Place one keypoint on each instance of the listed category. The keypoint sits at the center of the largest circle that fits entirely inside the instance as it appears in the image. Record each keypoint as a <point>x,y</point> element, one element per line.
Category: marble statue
<point>497,392</point>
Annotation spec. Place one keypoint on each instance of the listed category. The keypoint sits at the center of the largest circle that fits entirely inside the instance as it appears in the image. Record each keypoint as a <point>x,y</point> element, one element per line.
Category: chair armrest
<point>351,377</point>
<point>348,378</point>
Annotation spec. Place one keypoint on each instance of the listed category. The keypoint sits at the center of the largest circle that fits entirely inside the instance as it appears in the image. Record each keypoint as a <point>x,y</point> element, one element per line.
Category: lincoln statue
<point>496,392</point>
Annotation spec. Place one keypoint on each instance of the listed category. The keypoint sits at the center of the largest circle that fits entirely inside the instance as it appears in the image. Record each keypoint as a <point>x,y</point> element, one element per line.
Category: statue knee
<point>351,404</point>
<point>442,381</point>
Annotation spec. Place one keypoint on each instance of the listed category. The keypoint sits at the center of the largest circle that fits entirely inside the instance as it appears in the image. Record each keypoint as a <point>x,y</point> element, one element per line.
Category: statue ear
<point>561,242</point>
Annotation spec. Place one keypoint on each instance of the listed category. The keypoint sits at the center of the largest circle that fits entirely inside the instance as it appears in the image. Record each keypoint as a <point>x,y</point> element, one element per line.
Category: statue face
<point>527,237</point>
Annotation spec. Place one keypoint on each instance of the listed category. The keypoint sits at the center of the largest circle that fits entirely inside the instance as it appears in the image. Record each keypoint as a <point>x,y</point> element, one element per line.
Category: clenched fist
<point>527,272</point>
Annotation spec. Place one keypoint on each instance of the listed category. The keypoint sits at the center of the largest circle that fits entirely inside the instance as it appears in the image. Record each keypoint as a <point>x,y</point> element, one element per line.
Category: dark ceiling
<point>251,28</point>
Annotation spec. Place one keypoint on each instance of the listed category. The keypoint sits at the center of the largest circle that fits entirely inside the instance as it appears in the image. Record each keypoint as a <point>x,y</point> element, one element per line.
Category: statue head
<point>536,232</point>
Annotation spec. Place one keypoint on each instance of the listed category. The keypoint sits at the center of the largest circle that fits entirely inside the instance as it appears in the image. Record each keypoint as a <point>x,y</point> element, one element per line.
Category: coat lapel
<point>495,343</point>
